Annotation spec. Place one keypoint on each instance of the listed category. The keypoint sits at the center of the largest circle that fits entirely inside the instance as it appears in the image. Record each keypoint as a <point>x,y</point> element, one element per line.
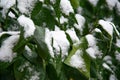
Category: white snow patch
<point>77,61</point>
<point>92,49</point>
<point>26,6</point>
<point>118,43</point>
<point>79,10</point>
<point>118,7</point>
<point>6,53</point>
<point>10,33</point>
<point>28,25</point>
<point>71,32</point>
<point>29,52</point>
<point>66,7</point>
<point>80,22</point>
<point>97,30</point>
<point>112,77</point>
<point>60,42</point>
<point>93,2</point>
<point>63,20</point>
<point>108,59</point>
<point>107,67</point>
<point>6,4</point>
<point>11,15</point>
<point>41,0</point>
<point>117,56</point>
<point>35,76</point>
<point>111,3</point>
<point>91,40</point>
<point>107,26</point>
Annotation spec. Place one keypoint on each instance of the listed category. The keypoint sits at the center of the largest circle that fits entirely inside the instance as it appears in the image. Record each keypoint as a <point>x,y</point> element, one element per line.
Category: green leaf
<point>39,36</point>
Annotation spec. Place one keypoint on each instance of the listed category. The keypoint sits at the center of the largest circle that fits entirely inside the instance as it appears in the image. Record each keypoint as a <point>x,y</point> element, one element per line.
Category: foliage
<point>40,64</point>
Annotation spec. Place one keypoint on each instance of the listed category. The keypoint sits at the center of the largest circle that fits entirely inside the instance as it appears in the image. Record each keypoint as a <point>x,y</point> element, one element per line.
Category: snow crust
<point>111,3</point>
<point>92,49</point>
<point>6,4</point>
<point>66,7</point>
<point>77,61</point>
<point>106,25</point>
<point>26,6</point>
<point>63,19</point>
<point>6,53</point>
<point>80,22</point>
<point>93,2</point>
<point>71,32</point>
<point>28,25</point>
<point>60,42</point>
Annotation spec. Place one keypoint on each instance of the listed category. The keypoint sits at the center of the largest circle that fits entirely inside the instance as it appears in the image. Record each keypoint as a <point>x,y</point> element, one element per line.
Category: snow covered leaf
<point>23,69</point>
<point>79,59</point>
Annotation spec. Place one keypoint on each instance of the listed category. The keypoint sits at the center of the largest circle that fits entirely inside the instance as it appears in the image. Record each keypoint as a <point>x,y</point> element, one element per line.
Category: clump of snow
<point>79,10</point>
<point>118,43</point>
<point>118,7</point>
<point>10,33</point>
<point>107,26</point>
<point>41,0</point>
<point>107,67</point>
<point>63,19</point>
<point>29,52</point>
<point>28,25</point>
<point>6,53</point>
<point>117,56</point>
<point>60,42</point>
<point>80,22</point>
<point>6,4</point>
<point>111,3</point>
<point>35,76</point>
<point>108,59</point>
<point>92,49</point>
<point>25,6</point>
<point>66,7</point>
<point>77,60</point>
<point>97,30</point>
<point>11,15</point>
<point>71,32</point>
<point>91,40</point>
<point>112,77</point>
<point>93,2</point>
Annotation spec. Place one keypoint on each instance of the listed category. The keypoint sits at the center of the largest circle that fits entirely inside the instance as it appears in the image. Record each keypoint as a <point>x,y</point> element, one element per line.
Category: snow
<point>28,25</point>
<point>112,77</point>
<point>25,6</point>
<point>29,52</point>
<point>117,56</point>
<point>118,43</point>
<point>97,30</point>
<point>118,7</point>
<point>93,2</point>
<point>63,20</point>
<point>41,0</point>
<point>66,7</point>
<point>6,53</point>
<point>10,33</point>
<point>107,67</point>
<point>60,42</point>
<point>92,49</point>
<point>108,59</point>
<point>111,3</point>
<point>71,32</point>
<point>91,40</point>
<point>6,4</point>
<point>80,20</point>
<point>10,14</point>
<point>106,25</point>
<point>77,61</point>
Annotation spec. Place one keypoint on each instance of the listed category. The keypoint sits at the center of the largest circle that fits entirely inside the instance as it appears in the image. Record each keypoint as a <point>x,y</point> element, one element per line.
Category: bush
<point>59,40</point>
